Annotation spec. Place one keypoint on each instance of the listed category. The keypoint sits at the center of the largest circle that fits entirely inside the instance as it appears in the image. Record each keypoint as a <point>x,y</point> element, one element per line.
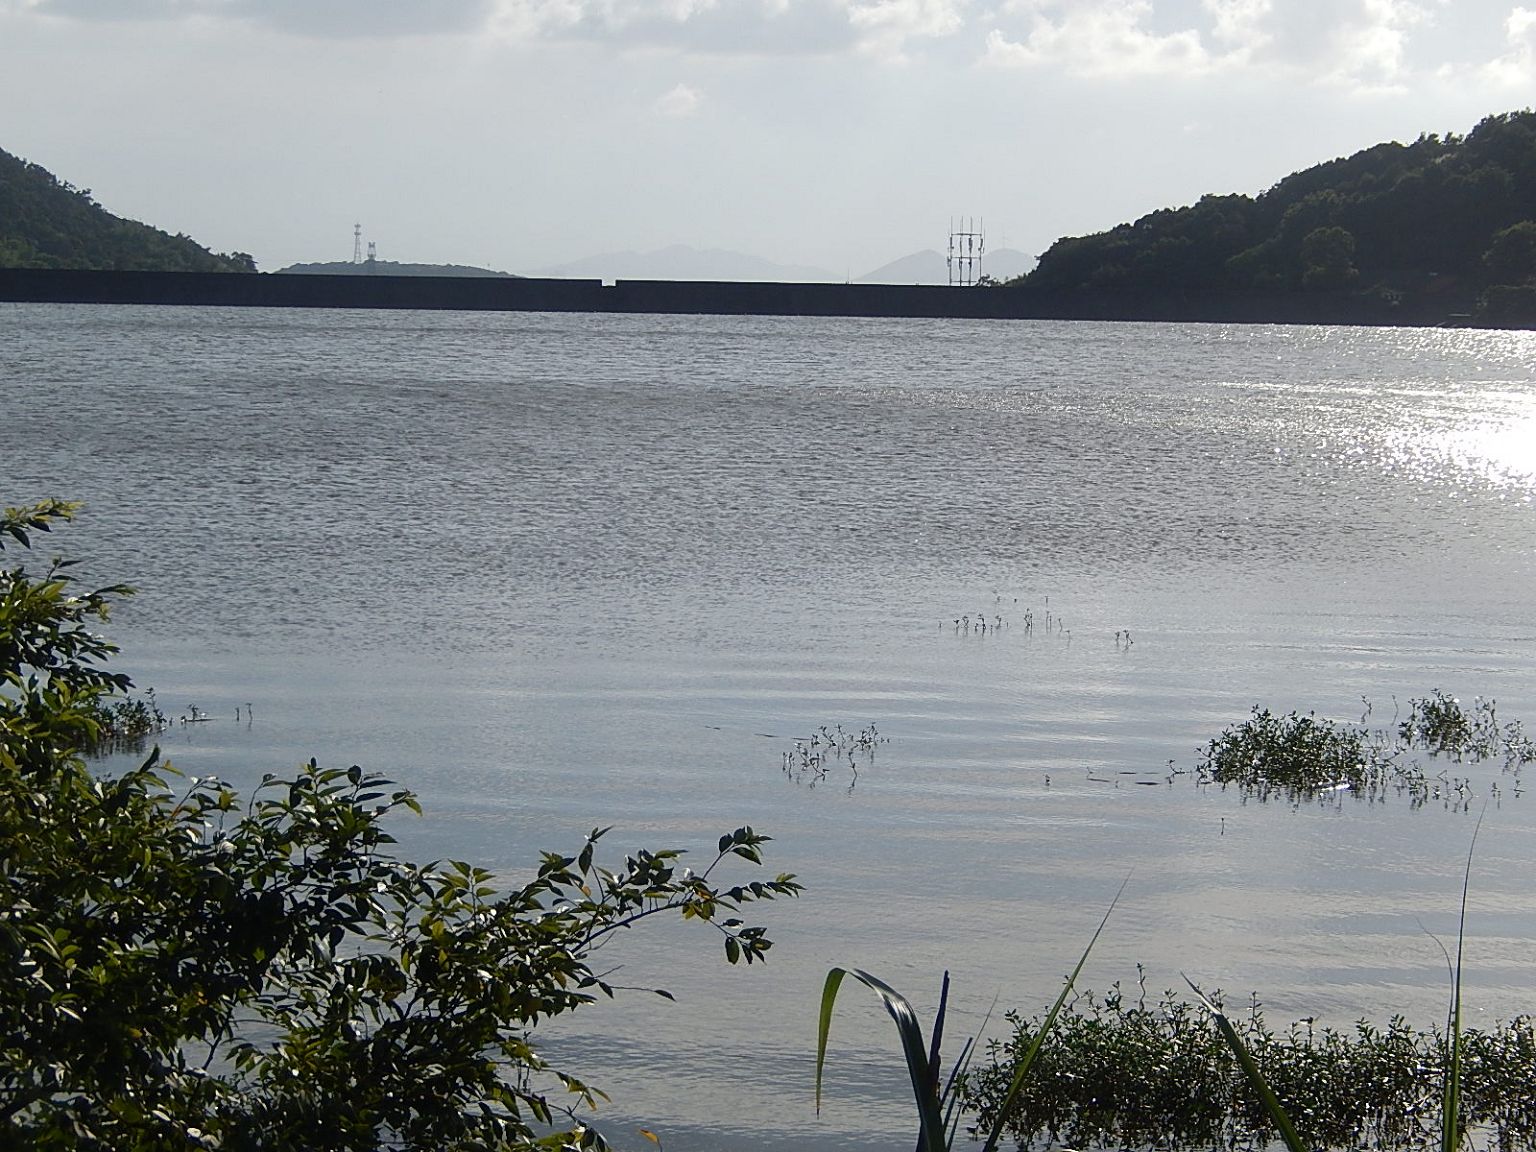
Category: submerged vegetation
<point>1299,758</point>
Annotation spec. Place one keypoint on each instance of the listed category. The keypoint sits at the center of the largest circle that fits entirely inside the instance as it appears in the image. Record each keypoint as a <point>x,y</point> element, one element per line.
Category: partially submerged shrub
<point>1297,758</point>
<point>1297,755</point>
<point>1438,724</point>
<point>124,723</point>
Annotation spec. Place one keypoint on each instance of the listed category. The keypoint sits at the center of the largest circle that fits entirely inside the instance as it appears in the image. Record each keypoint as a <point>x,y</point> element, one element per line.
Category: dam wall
<point>733,298</point>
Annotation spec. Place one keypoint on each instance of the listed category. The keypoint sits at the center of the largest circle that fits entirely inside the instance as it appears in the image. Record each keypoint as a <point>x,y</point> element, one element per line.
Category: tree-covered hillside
<point>1451,216</point>
<point>48,223</point>
<point>391,268</point>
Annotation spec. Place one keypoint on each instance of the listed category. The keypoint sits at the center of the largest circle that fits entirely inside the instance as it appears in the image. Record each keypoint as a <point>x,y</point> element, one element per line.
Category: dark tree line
<point>46,222</point>
<point>1452,213</point>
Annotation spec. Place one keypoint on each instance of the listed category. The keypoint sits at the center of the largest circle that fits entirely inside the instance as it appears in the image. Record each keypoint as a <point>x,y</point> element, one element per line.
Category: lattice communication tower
<point>357,243</point>
<point>966,245</point>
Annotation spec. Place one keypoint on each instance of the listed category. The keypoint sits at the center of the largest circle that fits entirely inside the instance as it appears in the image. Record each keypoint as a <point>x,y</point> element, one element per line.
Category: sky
<point>517,134</point>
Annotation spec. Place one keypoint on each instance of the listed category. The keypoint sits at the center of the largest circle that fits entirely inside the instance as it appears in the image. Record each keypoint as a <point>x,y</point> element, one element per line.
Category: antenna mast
<point>357,243</point>
<point>965,250</point>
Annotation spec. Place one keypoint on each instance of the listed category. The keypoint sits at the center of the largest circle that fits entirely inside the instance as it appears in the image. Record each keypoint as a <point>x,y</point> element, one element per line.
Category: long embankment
<point>275,290</point>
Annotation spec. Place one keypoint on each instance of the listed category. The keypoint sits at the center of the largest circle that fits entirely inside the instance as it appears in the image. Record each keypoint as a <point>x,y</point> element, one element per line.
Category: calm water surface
<point>561,571</point>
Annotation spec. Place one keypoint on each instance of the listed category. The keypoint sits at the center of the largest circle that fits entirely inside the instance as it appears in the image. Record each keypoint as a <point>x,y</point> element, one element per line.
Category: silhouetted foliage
<point>1511,258</point>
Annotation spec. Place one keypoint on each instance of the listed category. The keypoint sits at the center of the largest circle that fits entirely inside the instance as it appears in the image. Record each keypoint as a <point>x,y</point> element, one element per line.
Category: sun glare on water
<point>1505,452</point>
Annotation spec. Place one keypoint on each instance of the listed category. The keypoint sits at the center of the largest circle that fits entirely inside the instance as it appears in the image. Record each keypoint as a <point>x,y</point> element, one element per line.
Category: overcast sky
<point>840,133</point>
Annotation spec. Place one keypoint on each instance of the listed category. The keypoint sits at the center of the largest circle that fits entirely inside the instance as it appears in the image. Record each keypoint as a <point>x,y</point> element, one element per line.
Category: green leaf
<point>930,1117</point>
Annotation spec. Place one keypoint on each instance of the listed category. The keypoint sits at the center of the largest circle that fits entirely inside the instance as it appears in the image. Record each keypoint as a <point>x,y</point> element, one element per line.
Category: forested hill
<point>1450,218</point>
<point>48,223</point>
<point>391,268</point>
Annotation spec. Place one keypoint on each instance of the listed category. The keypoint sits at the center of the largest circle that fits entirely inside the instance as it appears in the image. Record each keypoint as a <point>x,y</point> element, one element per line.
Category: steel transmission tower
<point>966,246</point>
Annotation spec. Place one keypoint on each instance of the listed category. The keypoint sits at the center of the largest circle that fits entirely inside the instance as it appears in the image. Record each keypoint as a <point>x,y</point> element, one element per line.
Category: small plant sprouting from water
<point>1440,725</point>
<point>813,757</point>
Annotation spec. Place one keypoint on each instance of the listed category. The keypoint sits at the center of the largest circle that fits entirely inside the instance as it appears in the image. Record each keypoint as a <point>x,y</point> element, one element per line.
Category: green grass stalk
<point>938,1110</point>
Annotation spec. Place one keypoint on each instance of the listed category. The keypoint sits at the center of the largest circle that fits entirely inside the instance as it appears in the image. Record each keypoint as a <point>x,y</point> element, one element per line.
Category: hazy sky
<point>839,133</point>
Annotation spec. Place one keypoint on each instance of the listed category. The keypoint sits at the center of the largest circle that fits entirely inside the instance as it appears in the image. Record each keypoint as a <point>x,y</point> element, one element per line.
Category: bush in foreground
<point>180,969</point>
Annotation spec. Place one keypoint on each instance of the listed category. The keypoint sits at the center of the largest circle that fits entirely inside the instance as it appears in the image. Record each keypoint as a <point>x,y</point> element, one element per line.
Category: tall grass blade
<point>951,1098</point>
<point>1017,1083</point>
<point>931,1133</point>
<point>1450,1110</point>
<point>1250,1068</point>
<point>936,1041</point>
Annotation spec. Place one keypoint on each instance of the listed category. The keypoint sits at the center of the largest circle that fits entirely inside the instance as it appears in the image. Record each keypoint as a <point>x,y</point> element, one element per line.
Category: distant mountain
<point>388,268</point>
<point>930,267</point>
<point>680,262</point>
<point>46,222</point>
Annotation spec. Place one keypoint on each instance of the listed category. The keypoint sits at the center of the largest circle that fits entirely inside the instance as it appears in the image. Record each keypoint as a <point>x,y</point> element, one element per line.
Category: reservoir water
<point>561,571</point>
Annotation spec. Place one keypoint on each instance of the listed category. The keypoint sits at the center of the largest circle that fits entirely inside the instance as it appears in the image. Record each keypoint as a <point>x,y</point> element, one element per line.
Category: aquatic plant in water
<point>1302,757</point>
<point>124,723</point>
<point>813,757</point>
<point>1295,755</point>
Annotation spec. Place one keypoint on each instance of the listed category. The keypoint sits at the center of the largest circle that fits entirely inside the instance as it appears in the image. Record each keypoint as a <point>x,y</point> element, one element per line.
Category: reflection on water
<point>563,571</point>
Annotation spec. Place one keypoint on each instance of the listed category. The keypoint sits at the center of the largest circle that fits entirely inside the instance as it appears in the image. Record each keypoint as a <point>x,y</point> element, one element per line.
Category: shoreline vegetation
<point>1118,1071</point>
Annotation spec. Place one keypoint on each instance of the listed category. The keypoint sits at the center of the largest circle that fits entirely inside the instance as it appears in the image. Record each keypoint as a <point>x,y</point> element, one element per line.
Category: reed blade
<point>1277,1114</point>
<point>1017,1083</point>
<point>931,1135</point>
<point>1450,1108</point>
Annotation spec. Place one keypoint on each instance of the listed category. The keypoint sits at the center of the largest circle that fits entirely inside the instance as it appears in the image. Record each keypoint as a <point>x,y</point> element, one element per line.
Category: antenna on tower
<point>966,246</point>
<point>357,243</point>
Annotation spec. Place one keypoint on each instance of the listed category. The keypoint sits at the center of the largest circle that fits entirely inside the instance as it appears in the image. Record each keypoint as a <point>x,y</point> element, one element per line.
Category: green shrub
<point>180,969</point>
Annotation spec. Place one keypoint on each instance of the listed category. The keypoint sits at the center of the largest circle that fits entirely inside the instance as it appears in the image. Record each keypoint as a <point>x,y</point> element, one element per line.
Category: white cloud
<point>1239,24</point>
<point>1371,47</point>
<point>1369,52</point>
<point>722,27</point>
<point>883,28</point>
<point>678,102</point>
<point>886,26</point>
<point>1102,39</point>
<point>1516,68</point>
